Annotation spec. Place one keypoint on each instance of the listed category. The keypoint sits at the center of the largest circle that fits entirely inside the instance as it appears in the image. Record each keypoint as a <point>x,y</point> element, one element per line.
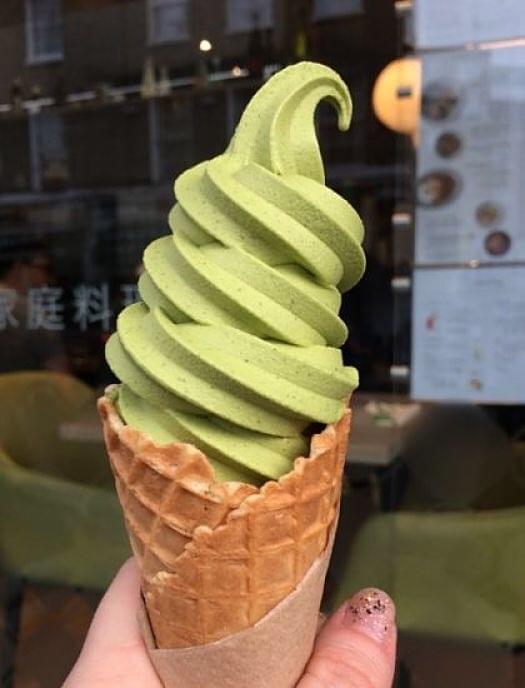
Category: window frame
<point>320,14</point>
<point>230,31</point>
<point>152,40</point>
<point>31,57</point>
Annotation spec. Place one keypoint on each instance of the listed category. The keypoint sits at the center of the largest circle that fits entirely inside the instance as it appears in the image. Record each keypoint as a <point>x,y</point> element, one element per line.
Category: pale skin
<point>354,649</point>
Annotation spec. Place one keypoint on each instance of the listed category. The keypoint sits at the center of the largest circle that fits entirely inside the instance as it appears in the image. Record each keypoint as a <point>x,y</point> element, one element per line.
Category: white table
<point>86,428</point>
<point>381,426</point>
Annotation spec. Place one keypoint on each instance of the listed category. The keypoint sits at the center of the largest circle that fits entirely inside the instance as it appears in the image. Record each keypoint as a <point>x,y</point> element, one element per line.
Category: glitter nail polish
<point>372,612</point>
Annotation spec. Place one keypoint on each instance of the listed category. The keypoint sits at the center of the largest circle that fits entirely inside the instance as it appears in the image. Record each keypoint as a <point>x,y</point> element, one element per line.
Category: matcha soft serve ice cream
<point>227,436</point>
<point>234,346</point>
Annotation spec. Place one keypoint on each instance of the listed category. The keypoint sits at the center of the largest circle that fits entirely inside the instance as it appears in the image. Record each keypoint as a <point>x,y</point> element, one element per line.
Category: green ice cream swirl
<point>234,345</point>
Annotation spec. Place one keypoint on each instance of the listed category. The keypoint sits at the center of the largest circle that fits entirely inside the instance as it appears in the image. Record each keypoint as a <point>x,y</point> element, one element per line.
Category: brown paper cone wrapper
<point>271,654</point>
<point>217,558</point>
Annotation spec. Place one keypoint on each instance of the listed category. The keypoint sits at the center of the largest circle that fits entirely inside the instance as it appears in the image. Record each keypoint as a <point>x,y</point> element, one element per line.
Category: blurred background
<point>102,104</point>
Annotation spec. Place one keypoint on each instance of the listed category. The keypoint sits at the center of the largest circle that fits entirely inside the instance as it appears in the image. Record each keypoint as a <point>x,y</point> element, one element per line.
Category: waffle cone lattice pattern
<point>216,557</point>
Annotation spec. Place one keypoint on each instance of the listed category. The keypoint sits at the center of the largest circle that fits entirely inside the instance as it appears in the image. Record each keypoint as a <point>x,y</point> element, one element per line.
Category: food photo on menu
<point>262,344</point>
<point>437,188</point>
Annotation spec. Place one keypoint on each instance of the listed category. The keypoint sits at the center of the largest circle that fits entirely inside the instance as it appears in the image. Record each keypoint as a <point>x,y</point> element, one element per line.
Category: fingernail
<point>372,612</point>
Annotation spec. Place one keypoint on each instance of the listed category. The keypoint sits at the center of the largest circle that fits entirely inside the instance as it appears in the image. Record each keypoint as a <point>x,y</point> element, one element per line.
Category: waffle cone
<point>215,557</point>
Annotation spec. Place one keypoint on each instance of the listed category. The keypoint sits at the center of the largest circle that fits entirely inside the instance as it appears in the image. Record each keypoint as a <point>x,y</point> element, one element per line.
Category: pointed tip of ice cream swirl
<point>277,129</point>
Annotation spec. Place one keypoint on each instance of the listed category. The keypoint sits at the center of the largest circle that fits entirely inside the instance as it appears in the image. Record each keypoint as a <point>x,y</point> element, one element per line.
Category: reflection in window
<point>50,152</point>
<point>246,15</point>
<point>15,173</point>
<point>336,8</point>
<point>44,38</point>
<point>168,21</point>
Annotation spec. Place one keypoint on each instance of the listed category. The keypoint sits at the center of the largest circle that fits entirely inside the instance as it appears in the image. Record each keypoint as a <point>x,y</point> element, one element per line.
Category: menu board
<point>468,334</point>
<point>450,23</point>
<point>470,199</point>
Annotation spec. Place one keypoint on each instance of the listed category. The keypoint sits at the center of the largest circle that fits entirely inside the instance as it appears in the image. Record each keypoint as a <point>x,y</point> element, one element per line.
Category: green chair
<point>456,575</point>
<point>60,521</point>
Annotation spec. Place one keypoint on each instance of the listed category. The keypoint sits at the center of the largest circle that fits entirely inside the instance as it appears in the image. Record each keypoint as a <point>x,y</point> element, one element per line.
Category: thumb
<point>357,646</point>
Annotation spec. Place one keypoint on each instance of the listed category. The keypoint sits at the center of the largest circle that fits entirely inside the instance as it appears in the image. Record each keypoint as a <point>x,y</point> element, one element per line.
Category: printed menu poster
<point>468,334</point>
<point>450,23</point>
<point>470,185</point>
